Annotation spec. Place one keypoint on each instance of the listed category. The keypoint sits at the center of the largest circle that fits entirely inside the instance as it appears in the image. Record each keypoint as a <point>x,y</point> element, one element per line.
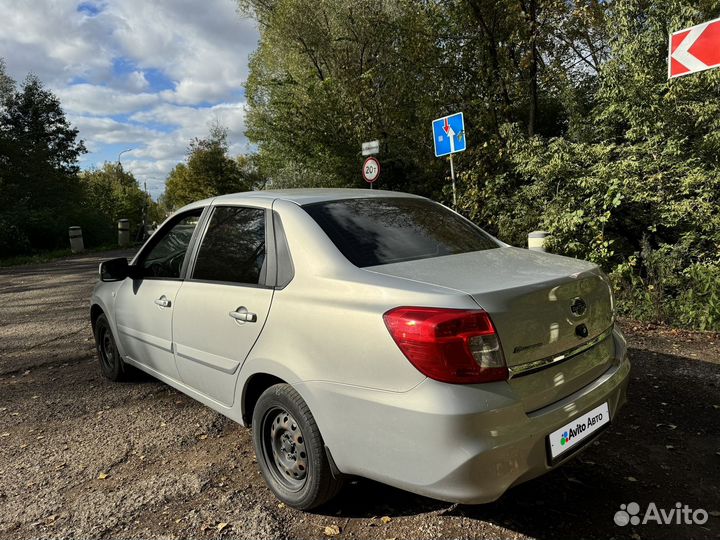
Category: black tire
<point>290,449</point>
<point>111,365</point>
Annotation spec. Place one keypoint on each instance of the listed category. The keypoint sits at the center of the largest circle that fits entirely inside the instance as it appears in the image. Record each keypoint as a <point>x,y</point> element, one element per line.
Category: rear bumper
<point>456,443</point>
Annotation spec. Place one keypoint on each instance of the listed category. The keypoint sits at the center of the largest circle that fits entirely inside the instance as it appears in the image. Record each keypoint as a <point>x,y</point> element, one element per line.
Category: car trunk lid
<point>539,304</point>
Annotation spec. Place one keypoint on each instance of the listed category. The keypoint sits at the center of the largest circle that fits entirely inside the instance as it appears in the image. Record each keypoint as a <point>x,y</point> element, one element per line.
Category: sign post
<point>448,139</point>
<point>694,49</point>
<point>371,170</point>
<point>370,148</point>
<point>371,166</point>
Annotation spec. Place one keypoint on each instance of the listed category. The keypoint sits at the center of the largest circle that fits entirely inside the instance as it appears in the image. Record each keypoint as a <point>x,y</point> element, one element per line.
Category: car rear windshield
<point>376,231</point>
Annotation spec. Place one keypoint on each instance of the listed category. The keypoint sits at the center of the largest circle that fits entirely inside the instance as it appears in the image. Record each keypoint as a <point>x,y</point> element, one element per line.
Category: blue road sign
<point>449,134</point>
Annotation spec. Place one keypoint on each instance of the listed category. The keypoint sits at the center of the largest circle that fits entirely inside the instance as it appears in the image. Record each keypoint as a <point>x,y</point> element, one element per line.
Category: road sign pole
<point>449,138</point>
<point>452,175</point>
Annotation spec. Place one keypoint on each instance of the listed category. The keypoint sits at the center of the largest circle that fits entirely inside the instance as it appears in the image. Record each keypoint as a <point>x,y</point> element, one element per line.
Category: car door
<point>222,307</point>
<point>144,305</point>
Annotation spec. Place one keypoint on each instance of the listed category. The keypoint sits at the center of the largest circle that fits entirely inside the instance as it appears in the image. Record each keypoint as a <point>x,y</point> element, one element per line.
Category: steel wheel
<point>111,363</point>
<point>290,450</point>
<point>284,449</point>
<point>106,348</point>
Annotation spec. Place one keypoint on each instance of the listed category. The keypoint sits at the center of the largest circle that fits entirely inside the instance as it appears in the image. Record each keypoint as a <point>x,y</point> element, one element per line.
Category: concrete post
<point>76,239</point>
<point>536,240</point>
<point>124,232</point>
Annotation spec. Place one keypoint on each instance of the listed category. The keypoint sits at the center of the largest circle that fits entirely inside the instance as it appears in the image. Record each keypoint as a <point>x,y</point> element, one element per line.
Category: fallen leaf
<point>102,476</point>
<point>281,505</point>
<point>332,530</point>
<point>202,437</point>
<point>6,434</point>
<point>221,526</point>
<point>631,479</point>
<point>669,446</point>
<point>386,519</point>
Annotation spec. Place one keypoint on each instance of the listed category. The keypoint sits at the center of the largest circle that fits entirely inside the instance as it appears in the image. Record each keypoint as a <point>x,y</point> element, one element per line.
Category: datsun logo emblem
<point>578,307</point>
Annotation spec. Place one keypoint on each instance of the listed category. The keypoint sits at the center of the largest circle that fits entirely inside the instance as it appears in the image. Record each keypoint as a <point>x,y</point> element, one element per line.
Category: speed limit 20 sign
<point>371,170</point>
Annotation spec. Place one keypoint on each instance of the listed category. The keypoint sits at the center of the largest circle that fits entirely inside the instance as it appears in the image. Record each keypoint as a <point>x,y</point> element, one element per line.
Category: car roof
<point>310,195</point>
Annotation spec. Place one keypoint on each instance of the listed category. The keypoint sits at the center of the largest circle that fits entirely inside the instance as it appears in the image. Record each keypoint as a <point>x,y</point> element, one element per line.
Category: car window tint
<point>166,258</point>
<point>376,231</point>
<point>234,246</point>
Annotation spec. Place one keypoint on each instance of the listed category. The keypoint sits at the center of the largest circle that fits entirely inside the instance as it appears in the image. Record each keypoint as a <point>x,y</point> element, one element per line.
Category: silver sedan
<point>369,333</point>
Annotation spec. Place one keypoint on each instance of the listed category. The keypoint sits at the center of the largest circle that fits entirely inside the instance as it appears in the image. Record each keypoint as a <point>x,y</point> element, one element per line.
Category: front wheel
<point>290,450</point>
<point>111,365</point>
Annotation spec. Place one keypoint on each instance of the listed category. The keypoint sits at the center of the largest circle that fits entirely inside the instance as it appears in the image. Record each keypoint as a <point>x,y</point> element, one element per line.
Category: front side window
<point>376,231</point>
<point>233,249</point>
<point>165,258</point>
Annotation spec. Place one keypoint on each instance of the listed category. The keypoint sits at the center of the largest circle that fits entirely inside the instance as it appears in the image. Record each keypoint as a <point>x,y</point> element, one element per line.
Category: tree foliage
<point>111,193</point>
<point>38,167</point>
<point>209,171</point>
<point>42,191</point>
<point>329,75</point>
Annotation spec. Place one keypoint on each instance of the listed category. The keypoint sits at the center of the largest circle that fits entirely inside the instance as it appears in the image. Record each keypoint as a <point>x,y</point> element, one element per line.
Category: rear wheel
<point>290,450</point>
<point>111,365</point>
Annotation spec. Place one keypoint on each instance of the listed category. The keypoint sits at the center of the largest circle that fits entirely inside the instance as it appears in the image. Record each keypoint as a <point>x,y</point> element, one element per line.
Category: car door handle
<point>163,301</point>
<point>243,315</point>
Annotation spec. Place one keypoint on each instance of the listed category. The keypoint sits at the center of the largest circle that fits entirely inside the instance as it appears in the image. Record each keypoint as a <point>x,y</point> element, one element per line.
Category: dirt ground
<point>81,457</point>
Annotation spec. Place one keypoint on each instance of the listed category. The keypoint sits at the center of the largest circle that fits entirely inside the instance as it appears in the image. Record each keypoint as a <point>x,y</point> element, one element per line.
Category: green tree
<point>329,75</point>
<point>209,171</point>
<point>638,192</point>
<point>38,178</point>
<point>109,194</point>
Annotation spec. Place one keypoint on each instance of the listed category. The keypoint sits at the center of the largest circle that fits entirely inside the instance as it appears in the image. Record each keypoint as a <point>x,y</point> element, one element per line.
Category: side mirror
<point>114,269</point>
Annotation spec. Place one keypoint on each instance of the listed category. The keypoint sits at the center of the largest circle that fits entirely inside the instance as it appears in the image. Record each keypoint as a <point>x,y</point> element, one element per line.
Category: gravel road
<point>81,457</point>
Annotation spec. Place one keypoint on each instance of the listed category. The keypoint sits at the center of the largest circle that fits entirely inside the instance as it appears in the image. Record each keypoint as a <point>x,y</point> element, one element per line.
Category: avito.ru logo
<point>680,515</point>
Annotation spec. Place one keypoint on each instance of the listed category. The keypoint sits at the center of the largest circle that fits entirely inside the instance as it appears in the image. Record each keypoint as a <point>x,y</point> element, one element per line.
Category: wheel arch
<point>253,388</point>
<point>95,312</point>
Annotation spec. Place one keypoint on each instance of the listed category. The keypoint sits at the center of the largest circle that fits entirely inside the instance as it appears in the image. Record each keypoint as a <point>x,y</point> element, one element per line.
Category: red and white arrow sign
<point>694,49</point>
<point>450,133</point>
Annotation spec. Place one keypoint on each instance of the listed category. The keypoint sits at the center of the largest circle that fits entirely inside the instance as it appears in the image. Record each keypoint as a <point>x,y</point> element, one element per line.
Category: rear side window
<point>233,249</point>
<point>372,232</point>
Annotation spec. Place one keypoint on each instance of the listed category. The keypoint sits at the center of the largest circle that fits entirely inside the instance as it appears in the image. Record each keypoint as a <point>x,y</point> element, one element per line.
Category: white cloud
<point>187,123</point>
<point>96,130</point>
<point>101,100</point>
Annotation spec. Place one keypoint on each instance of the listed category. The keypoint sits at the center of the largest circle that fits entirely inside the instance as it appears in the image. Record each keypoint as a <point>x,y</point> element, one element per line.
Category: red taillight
<point>448,345</point>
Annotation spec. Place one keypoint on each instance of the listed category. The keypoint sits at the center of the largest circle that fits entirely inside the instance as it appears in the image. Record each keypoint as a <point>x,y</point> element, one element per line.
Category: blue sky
<point>136,75</point>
